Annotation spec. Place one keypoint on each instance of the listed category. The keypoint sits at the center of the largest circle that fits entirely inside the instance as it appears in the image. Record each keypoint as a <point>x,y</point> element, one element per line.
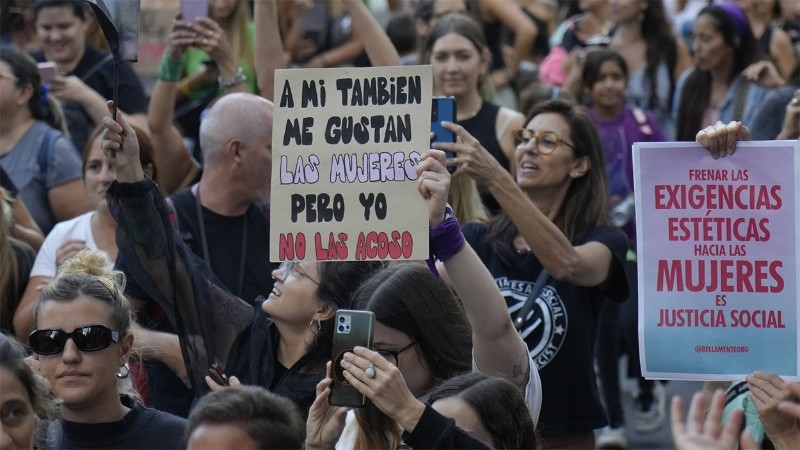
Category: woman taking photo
<point>554,208</point>
<point>282,343</point>
<point>423,331</point>
<point>715,90</point>
<point>40,160</point>
<point>82,339</point>
<point>94,230</point>
<point>460,59</point>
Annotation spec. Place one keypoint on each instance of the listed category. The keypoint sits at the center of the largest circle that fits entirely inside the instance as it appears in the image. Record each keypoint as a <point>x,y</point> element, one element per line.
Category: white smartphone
<point>47,71</point>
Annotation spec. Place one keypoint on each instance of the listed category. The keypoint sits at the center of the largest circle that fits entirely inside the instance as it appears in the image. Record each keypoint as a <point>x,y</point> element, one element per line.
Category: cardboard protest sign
<point>718,244</point>
<point>345,146</point>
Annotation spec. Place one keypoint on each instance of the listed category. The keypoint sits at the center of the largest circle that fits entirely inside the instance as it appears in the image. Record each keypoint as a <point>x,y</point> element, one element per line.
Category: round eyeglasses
<point>293,267</point>
<point>393,356</point>
<point>546,142</point>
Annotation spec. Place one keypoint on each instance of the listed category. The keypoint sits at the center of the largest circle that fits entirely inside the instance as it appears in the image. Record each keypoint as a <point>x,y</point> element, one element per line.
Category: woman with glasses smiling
<point>553,215</point>
<point>82,340</point>
<point>282,343</point>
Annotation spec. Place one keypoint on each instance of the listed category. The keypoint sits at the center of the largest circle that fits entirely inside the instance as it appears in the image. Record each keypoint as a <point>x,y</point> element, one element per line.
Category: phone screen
<point>443,108</point>
<point>192,9</point>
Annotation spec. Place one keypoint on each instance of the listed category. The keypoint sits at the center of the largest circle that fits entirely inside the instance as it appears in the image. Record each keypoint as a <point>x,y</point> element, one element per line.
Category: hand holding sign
<point>433,182</point>
<point>721,139</point>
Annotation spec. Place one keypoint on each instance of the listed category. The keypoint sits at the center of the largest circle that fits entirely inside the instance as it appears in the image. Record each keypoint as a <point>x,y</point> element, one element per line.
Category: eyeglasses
<point>546,142</point>
<point>294,267</point>
<point>9,76</point>
<point>90,338</point>
<point>393,356</point>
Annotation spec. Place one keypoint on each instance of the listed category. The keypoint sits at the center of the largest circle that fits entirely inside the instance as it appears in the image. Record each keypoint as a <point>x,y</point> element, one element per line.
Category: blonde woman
<point>82,340</point>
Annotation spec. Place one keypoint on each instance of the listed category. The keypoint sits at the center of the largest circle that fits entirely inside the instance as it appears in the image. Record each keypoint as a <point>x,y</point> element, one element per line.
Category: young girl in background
<point>605,81</point>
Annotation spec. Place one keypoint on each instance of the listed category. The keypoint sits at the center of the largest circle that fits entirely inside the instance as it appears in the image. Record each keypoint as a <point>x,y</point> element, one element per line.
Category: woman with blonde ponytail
<point>82,339</point>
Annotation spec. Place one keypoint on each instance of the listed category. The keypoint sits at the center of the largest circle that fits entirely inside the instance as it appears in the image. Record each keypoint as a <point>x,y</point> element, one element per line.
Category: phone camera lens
<point>341,327</point>
<point>341,319</point>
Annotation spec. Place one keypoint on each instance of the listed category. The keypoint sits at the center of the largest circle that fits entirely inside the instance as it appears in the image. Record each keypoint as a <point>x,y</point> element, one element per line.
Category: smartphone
<point>217,373</point>
<point>47,71</point>
<point>350,328</point>
<point>443,108</point>
<point>192,9</point>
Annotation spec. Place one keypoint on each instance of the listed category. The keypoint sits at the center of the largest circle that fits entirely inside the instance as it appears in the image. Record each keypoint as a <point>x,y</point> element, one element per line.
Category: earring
<point>124,371</point>
<point>315,328</point>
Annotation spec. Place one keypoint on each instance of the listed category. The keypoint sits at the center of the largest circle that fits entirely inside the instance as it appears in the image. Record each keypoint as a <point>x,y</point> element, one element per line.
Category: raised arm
<point>497,347</point>
<point>376,42</point>
<point>208,319</point>
<point>176,168</point>
<point>268,52</point>
<point>584,265</point>
<point>511,15</point>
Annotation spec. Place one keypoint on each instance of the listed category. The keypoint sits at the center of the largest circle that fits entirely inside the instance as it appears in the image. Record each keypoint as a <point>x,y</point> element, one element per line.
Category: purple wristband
<point>446,239</point>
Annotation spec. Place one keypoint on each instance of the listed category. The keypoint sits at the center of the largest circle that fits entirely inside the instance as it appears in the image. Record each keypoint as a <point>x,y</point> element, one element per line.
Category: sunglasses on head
<point>90,338</point>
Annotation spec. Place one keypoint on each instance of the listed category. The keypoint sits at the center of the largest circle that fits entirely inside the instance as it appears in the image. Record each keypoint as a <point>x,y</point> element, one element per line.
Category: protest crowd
<point>139,304</point>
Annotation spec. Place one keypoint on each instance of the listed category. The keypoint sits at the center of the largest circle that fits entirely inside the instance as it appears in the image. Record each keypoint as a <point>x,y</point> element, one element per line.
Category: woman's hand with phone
<point>387,389</point>
<point>180,37</point>
<point>212,39</point>
<point>216,378</point>
<point>325,421</point>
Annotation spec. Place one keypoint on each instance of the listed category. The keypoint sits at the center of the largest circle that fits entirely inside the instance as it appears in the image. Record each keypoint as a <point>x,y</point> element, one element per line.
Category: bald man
<point>230,230</point>
<point>223,219</point>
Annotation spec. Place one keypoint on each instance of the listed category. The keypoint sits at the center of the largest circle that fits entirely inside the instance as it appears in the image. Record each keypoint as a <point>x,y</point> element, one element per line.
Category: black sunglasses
<point>90,338</point>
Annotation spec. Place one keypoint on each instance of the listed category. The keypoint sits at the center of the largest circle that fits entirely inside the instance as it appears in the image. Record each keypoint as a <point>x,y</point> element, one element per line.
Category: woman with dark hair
<point>460,57</point>
<point>40,160</point>
<point>504,417</point>
<point>82,340</point>
<point>93,230</point>
<point>763,16</point>
<point>655,57</point>
<point>281,343</point>
<point>715,90</point>
<point>422,333</point>
<point>24,396</point>
<point>551,256</point>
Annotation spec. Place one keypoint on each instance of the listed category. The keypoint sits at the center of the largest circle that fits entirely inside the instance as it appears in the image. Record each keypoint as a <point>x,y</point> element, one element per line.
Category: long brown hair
<point>584,206</point>
<point>409,299</point>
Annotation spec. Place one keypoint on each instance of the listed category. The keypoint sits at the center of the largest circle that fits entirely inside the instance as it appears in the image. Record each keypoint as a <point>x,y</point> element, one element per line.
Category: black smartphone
<point>217,373</point>
<point>443,108</point>
<point>351,328</point>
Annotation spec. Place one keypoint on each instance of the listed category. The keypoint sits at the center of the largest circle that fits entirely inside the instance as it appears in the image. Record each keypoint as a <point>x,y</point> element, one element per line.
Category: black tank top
<point>482,127</point>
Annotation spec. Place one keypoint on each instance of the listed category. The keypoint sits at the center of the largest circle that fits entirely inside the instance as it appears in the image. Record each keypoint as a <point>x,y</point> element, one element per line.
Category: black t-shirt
<point>141,428</point>
<point>96,70</point>
<point>560,332</point>
<point>224,236</point>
